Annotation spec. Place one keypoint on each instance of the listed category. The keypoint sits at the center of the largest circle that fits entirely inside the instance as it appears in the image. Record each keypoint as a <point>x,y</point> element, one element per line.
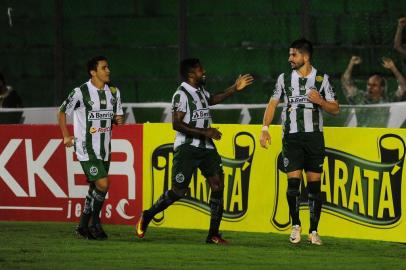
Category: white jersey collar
<point>94,88</point>
<point>311,74</point>
<point>190,88</point>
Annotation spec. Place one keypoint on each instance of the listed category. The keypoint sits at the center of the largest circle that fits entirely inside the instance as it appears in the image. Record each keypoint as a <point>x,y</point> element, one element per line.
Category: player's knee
<point>216,183</point>
<point>102,184</point>
<point>293,187</point>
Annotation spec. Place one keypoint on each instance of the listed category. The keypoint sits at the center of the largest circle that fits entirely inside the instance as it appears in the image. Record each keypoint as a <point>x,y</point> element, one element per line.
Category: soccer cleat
<point>83,232</point>
<point>314,238</point>
<point>97,232</point>
<point>295,234</point>
<point>217,240</point>
<point>142,225</point>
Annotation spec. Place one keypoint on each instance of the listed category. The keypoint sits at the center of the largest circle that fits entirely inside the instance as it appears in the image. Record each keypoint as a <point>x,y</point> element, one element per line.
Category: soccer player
<point>306,92</point>
<point>95,106</point>
<point>194,147</point>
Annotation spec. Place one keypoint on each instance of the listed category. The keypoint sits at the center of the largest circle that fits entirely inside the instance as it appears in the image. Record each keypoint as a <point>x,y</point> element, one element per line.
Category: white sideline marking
<point>31,208</point>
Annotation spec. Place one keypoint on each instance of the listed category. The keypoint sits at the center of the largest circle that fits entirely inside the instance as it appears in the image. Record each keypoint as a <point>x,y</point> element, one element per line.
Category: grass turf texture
<point>43,245</point>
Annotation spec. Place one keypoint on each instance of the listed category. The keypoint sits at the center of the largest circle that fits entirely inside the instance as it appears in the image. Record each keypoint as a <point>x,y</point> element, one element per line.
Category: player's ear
<point>93,73</point>
<point>306,57</point>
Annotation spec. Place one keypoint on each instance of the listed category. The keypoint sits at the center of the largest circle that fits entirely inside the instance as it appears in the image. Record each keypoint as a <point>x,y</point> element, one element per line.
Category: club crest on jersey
<point>100,115</point>
<point>319,78</point>
<point>200,114</point>
<point>90,102</point>
<point>103,102</point>
<point>93,170</point>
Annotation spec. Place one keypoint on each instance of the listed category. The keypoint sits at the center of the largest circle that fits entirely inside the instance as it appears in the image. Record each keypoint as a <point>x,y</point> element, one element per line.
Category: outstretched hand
<point>243,81</point>
<point>387,63</point>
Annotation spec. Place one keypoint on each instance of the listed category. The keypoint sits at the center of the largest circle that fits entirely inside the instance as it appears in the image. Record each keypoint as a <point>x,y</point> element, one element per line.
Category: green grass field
<point>29,245</point>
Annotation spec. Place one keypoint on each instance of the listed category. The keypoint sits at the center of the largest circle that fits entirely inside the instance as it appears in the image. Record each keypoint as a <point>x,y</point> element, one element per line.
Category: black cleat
<point>83,232</point>
<point>97,232</point>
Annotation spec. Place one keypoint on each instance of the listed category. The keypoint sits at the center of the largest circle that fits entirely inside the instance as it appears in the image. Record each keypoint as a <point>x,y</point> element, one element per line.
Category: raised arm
<point>389,64</point>
<point>346,79</point>
<point>241,82</point>
<point>398,37</point>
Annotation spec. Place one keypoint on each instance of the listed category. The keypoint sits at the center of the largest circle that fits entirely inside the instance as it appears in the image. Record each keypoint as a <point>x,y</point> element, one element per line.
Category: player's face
<point>296,58</point>
<point>199,74</point>
<point>103,72</point>
<point>374,87</point>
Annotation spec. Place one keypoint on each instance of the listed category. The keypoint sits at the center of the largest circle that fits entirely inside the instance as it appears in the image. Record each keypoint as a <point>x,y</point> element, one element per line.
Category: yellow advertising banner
<point>362,183</point>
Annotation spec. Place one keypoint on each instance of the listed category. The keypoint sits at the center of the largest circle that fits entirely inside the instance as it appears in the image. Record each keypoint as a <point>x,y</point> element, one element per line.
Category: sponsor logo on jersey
<point>99,130</point>
<point>200,114</point>
<point>298,99</point>
<point>70,104</point>
<point>100,115</point>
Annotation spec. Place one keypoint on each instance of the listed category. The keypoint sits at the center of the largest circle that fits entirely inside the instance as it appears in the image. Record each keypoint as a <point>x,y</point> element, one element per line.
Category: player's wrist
<point>265,128</point>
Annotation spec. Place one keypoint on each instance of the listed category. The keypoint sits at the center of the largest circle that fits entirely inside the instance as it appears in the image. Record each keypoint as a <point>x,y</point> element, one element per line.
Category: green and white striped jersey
<point>195,103</point>
<point>93,112</point>
<point>299,114</point>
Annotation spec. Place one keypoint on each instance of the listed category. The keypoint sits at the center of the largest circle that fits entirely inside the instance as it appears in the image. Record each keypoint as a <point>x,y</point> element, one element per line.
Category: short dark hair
<point>186,65</point>
<point>93,62</point>
<point>303,45</point>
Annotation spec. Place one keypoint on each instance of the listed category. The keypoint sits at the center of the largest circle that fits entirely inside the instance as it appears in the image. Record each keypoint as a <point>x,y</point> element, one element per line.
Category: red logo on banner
<point>41,180</point>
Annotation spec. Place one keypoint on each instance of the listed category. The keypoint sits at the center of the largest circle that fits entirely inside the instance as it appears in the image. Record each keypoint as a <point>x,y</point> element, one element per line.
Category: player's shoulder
<point>76,91</point>
<point>113,89</point>
<point>321,76</point>
<point>180,91</point>
<point>284,75</point>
